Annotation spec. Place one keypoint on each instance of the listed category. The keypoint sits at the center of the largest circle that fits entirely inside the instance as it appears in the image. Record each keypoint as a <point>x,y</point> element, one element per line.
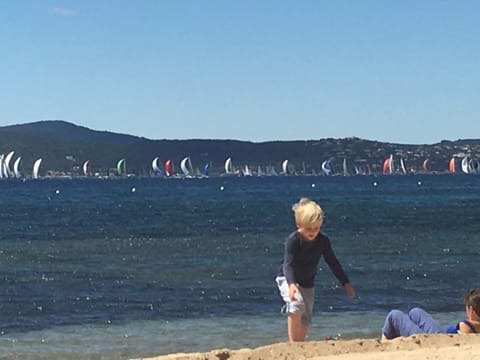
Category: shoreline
<point>420,346</point>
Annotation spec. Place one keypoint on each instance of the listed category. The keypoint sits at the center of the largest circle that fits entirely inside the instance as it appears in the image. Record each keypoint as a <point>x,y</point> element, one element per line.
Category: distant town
<point>55,148</point>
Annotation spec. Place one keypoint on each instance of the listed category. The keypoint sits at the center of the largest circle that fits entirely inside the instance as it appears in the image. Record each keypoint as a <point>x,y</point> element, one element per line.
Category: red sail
<point>451,165</point>
<point>168,168</point>
<point>386,166</point>
<point>425,165</point>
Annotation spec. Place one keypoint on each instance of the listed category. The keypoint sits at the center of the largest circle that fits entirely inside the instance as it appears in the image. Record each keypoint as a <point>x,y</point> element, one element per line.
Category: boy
<point>295,280</point>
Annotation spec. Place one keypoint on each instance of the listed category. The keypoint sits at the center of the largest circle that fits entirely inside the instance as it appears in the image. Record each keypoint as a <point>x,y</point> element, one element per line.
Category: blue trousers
<point>417,321</point>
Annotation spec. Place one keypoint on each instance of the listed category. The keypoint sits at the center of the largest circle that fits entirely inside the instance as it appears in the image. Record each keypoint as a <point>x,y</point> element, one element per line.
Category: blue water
<point>141,267</point>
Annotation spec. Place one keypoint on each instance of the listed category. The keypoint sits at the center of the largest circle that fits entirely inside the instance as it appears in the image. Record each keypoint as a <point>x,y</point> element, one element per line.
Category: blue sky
<point>399,71</point>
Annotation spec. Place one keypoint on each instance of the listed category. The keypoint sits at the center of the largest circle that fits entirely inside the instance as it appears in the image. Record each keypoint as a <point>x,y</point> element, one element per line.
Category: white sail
<point>391,167</point>
<point>285,167</point>
<point>16,167</point>
<point>186,166</point>
<point>85,167</point>
<point>155,167</point>
<point>465,165</point>
<point>1,166</point>
<point>273,171</point>
<point>8,172</point>
<point>326,167</point>
<point>228,166</point>
<point>259,171</point>
<point>402,167</point>
<point>4,169</point>
<point>345,167</point>
<point>36,168</point>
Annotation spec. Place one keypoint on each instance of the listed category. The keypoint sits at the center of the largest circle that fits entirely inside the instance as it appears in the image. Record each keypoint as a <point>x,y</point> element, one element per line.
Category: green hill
<point>64,147</point>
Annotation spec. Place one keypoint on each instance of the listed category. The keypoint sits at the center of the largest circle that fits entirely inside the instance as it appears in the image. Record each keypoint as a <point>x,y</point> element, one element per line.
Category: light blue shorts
<point>303,302</point>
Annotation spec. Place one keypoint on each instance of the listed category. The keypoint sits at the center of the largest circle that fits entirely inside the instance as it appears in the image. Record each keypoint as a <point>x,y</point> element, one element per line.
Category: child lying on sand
<point>418,321</point>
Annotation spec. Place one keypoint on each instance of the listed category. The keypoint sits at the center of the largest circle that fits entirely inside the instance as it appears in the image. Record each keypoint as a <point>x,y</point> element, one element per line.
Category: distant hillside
<point>65,146</point>
<point>58,129</point>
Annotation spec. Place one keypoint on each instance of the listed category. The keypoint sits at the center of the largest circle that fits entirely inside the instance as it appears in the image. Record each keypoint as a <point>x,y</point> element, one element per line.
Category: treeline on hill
<point>64,147</point>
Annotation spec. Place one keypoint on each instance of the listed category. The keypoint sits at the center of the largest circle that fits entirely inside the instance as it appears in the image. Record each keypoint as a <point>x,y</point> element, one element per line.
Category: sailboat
<point>2,157</point>
<point>229,169</point>
<point>169,168</point>
<point>345,167</point>
<point>155,167</point>
<point>206,169</point>
<point>7,171</point>
<point>476,167</point>
<point>16,167</point>
<point>425,165</point>
<point>271,170</point>
<point>186,167</point>
<point>451,165</point>
<point>259,171</point>
<point>36,168</point>
<point>402,167</point>
<point>246,171</point>
<point>228,166</point>
<point>327,167</point>
<point>467,167</point>
<point>121,167</point>
<point>285,167</point>
<point>85,167</point>
<point>388,167</point>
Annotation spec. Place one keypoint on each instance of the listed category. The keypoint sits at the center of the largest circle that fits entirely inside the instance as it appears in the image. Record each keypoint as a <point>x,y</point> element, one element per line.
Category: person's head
<point>472,301</point>
<point>308,218</point>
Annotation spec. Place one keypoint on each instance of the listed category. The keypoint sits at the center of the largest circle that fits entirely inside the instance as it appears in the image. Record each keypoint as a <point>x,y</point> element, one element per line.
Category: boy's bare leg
<point>296,330</point>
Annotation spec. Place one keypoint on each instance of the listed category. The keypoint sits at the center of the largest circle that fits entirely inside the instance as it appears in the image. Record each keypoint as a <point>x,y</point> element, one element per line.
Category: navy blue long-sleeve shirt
<point>302,257</point>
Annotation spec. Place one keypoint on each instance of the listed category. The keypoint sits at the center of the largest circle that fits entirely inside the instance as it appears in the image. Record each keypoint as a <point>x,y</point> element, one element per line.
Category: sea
<point>139,267</point>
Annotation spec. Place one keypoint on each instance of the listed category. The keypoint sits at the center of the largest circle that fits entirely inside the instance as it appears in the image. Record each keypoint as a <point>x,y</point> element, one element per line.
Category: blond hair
<point>307,212</point>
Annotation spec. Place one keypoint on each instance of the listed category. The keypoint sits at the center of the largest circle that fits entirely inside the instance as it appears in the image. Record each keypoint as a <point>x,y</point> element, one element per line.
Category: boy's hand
<point>349,290</point>
<point>292,289</point>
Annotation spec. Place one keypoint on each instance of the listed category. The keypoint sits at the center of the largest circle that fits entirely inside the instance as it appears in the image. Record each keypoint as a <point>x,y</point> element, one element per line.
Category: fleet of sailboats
<point>390,166</point>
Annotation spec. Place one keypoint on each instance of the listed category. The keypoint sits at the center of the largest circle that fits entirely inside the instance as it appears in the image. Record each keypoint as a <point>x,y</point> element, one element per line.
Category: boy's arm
<point>288,270</point>
<point>334,265</point>
<point>338,271</point>
<point>288,261</point>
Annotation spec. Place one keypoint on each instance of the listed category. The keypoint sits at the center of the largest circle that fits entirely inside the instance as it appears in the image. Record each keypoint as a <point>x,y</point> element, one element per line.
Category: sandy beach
<point>420,346</point>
